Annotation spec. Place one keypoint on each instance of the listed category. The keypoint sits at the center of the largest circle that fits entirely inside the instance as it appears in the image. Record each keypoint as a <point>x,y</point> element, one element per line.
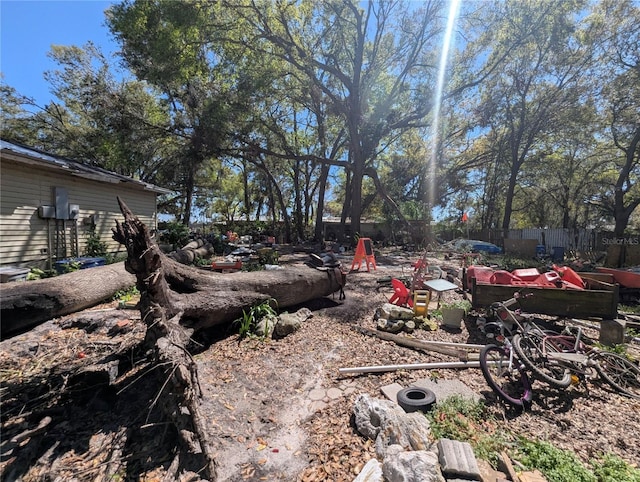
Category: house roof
<point>27,155</point>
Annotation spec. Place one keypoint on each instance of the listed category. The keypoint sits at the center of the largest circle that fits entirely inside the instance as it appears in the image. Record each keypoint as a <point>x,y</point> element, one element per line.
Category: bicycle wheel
<point>620,373</point>
<point>505,378</point>
<point>531,348</point>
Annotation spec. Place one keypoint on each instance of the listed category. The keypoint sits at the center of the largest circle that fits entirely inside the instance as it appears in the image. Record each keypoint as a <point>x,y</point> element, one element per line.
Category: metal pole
<point>414,366</point>
<point>451,344</point>
<point>49,244</point>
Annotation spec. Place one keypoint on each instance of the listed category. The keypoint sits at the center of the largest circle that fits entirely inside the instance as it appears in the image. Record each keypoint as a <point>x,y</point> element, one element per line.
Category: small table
<point>440,286</point>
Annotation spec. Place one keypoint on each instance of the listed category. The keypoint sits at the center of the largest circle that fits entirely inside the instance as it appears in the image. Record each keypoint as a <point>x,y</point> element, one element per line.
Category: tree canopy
<point>289,110</point>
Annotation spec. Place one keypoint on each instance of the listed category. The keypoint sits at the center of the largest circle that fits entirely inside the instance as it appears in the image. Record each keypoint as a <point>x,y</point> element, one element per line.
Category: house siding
<point>24,236</point>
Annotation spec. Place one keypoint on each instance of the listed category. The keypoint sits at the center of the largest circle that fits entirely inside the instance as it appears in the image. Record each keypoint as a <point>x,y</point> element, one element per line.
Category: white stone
<point>371,472</point>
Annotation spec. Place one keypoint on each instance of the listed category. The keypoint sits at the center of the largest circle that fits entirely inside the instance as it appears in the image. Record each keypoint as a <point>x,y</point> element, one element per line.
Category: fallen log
<point>205,298</point>
<point>26,304</point>
<point>450,350</point>
<point>176,301</point>
<point>195,249</point>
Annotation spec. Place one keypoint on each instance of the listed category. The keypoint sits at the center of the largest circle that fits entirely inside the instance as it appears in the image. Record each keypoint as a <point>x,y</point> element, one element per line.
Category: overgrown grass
<point>563,466</point>
<point>555,464</point>
<point>629,308</point>
<point>463,419</point>
<point>611,468</point>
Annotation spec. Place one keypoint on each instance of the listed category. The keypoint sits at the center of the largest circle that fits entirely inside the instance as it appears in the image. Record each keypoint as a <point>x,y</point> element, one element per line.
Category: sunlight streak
<point>435,126</point>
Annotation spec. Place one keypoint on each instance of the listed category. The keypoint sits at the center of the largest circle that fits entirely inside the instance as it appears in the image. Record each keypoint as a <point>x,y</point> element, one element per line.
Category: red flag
<point>465,218</point>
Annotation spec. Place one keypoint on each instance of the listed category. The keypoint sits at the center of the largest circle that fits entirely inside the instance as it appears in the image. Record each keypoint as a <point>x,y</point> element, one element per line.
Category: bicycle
<point>501,368</point>
<point>555,358</point>
<point>506,374</point>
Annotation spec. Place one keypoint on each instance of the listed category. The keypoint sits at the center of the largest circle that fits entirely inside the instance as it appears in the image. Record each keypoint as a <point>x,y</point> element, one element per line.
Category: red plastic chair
<point>401,295</point>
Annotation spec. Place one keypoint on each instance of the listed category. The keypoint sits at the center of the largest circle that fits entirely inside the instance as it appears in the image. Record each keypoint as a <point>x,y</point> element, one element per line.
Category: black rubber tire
<point>529,349</point>
<point>413,399</point>
<point>509,383</point>
<point>620,373</point>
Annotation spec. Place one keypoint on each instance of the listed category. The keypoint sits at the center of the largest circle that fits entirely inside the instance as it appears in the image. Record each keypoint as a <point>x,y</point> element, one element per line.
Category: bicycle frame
<point>572,353</point>
<point>499,363</point>
<point>511,321</point>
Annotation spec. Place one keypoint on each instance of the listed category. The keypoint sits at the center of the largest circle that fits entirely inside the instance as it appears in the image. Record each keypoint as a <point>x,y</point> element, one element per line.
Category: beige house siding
<point>25,237</point>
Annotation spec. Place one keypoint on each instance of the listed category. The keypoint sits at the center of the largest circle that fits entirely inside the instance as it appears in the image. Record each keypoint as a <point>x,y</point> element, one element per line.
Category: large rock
<point>389,311</point>
<point>291,322</point>
<point>414,466</point>
<point>390,326</point>
<point>388,424</point>
<point>265,326</point>
<point>371,472</point>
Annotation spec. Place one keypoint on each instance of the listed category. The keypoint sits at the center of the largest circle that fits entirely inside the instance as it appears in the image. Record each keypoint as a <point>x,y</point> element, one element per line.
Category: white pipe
<point>414,366</point>
<point>450,343</point>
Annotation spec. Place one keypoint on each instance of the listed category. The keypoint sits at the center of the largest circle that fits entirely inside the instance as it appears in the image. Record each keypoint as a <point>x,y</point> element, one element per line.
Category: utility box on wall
<point>47,212</point>
<point>74,210</point>
<point>61,198</point>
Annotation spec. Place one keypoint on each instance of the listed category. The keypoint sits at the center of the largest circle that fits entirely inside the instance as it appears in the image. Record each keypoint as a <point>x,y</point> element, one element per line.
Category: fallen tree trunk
<point>205,298</point>
<point>176,301</point>
<point>195,249</point>
<point>26,304</point>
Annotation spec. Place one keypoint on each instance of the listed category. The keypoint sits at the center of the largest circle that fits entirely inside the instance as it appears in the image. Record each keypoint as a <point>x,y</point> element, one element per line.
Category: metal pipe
<point>414,366</point>
<point>452,344</point>
<point>49,245</point>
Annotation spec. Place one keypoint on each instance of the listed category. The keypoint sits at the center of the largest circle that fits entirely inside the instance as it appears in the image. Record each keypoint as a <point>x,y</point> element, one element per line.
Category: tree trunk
<point>195,249</point>
<point>318,230</point>
<point>27,304</point>
<point>207,299</point>
<point>176,301</point>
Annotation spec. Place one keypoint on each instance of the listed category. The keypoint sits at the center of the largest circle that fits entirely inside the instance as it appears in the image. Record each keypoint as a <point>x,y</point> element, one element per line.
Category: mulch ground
<point>256,395</point>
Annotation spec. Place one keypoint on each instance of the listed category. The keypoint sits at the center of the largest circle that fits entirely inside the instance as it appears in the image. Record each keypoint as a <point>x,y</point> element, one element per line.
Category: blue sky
<point>29,28</point>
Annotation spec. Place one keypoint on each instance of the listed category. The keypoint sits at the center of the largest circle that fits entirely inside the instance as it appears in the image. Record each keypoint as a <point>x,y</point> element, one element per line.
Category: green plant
<point>436,314</point>
<point>176,234</point>
<point>620,349</point>
<point>466,420</point>
<point>115,257</point>
<point>555,464</point>
<point>94,247</point>
<point>267,256</point>
<point>611,468</point>
<point>248,323</point>
<point>126,294</point>
<point>201,262</point>
<point>37,273</point>
<point>464,305</point>
<point>252,266</point>
<point>72,266</point>
<point>629,308</point>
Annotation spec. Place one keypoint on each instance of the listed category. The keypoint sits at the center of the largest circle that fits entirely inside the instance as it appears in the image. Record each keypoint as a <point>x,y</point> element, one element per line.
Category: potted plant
<point>453,312</point>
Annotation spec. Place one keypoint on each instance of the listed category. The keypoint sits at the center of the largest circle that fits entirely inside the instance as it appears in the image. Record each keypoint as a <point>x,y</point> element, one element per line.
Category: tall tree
<point>615,29</point>
<point>16,120</point>
<point>116,124</point>
<point>372,62</point>
<point>537,82</point>
<point>162,43</point>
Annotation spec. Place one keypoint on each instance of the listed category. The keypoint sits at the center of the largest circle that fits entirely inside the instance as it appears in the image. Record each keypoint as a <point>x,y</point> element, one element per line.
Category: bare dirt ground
<point>276,410</point>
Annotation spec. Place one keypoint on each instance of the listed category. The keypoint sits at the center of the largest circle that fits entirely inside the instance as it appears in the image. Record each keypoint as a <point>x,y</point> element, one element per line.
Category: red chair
<point>401,294</point>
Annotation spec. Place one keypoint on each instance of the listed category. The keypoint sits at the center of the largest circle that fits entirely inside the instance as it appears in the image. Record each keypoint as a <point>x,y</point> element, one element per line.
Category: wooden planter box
<point>599,300</point>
